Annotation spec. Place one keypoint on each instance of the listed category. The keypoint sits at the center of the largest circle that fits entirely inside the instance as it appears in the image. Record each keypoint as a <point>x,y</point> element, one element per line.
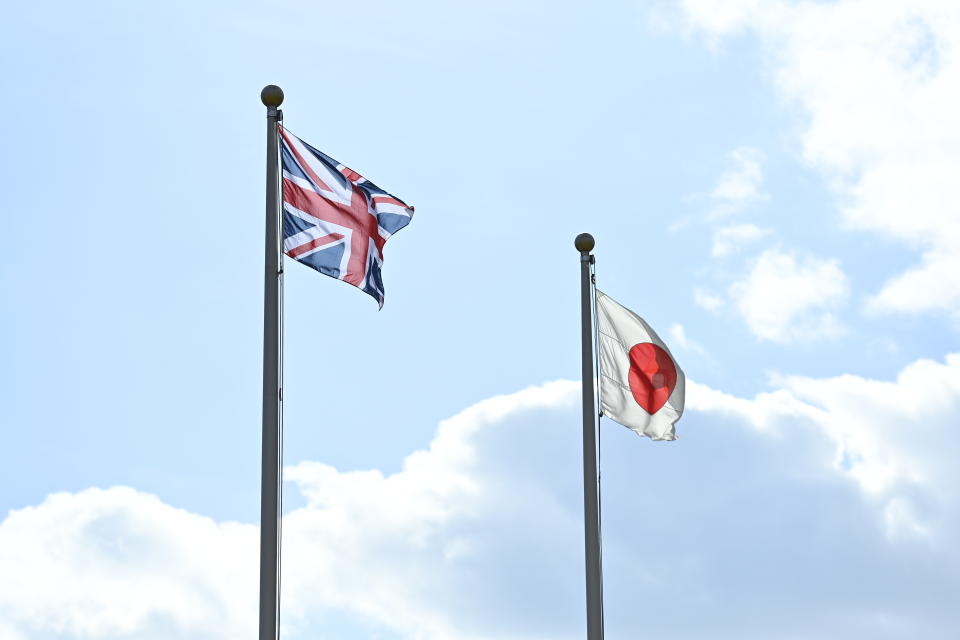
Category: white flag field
<point>641,386</point>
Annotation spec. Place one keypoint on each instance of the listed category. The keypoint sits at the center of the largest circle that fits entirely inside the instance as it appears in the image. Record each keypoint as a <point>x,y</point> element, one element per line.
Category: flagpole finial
<point>584,243</point>
<point>271,96</point>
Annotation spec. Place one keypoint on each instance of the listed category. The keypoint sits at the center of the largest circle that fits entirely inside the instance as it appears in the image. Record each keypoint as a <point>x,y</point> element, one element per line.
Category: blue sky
<point>771,185</point>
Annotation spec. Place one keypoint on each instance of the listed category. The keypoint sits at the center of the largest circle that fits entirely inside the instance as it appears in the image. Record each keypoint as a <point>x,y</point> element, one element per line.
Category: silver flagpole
<point>591,501</point>
<point>272,98</point>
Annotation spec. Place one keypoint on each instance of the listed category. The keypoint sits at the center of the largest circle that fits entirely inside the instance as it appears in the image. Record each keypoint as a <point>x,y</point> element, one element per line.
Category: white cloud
<point>785,298</point>
<point>887,433</point>
<point>830,481</point>
<point>678,336</point>
<point>738,186</point>
<point>413,552</point>
<point>879,84</point>
<point>707,300</point>
<point>118,563</point>
<point>728,240</point>
<point>407,549</point>
<point>895,439</point>
<point>931,283</point>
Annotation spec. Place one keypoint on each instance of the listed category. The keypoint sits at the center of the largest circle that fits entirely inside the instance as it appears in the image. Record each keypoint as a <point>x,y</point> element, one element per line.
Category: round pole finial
<point>584,243</point>
<point>271,96</point>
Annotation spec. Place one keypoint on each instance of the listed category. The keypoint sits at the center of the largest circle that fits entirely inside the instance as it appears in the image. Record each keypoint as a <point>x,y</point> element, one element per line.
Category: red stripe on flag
<point>313,244</point>
<point>350,174</point>
<point>303,163</point>
<point>355,216</point>
<point>390,200</point>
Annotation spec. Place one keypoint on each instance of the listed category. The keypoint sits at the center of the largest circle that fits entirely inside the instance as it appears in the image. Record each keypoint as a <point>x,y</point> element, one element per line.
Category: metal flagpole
<point>591,502</point>
<point>272,98</point>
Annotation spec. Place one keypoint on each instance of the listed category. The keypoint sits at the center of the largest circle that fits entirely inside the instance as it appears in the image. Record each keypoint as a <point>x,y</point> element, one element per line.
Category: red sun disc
<point>652,377</point>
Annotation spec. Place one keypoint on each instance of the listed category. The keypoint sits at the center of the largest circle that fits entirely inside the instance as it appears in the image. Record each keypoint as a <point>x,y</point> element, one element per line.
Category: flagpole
<point>591,501</point>
<point>272,98</point>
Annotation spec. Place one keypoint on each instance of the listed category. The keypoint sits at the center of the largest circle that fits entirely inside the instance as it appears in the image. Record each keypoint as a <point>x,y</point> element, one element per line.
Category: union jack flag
<point>334,219</point>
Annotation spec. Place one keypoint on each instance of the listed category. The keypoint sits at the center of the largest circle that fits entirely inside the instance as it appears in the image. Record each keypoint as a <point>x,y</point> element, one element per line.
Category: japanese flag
<point>641,386</point>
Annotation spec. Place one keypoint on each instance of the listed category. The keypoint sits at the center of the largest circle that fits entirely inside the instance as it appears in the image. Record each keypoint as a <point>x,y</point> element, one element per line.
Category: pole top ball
<point>584,243</point>
<point>271,96</point>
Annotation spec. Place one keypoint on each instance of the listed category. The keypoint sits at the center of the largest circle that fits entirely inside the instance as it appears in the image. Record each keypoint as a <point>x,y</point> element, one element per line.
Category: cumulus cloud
<point>811,497</point>
<point>789,298</point>
<point>678,336</point>
<point>878,83</point>
<point>738,186</point>
<point>427,552</point>
<point>707,300</point>
<point>890,435</point>
<point>118,563</point>
<point>458,533</point>
<point>893,438</point>
<point>728,240</point>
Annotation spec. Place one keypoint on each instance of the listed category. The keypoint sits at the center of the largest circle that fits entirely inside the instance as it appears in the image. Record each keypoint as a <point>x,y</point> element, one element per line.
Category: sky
<point>771,184</point>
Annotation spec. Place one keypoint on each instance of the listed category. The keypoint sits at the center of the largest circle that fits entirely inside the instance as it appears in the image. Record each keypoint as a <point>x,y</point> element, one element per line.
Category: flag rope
<point>596,345</point>
<point>280,370</point>
<point>596,335</point>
